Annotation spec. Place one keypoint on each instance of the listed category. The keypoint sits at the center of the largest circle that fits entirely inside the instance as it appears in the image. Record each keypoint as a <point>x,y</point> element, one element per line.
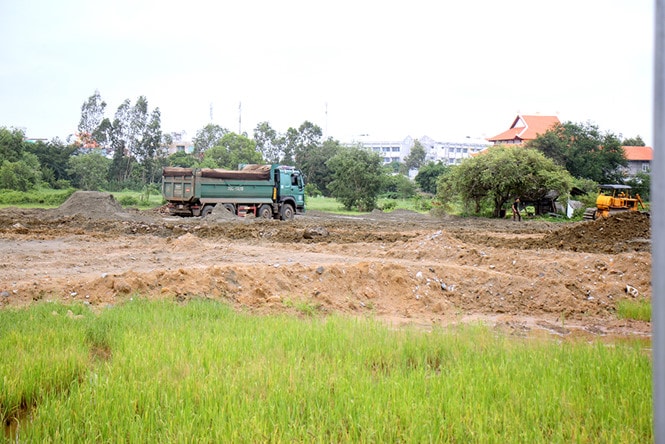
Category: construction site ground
<point>402,268</point>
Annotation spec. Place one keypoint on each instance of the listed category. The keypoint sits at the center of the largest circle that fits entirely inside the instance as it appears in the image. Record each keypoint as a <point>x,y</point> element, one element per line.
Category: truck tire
<point>230,208</point>
<point>286,212</point>
<point>265,212</point>
<point>206,210</point>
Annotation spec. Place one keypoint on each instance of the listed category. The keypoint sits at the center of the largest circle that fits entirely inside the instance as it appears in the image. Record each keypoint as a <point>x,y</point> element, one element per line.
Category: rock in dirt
<point>313,232</point>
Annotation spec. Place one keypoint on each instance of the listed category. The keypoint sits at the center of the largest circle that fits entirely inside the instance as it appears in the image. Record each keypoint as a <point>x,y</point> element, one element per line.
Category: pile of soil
<point>92,204</point>
<point>627,231</point>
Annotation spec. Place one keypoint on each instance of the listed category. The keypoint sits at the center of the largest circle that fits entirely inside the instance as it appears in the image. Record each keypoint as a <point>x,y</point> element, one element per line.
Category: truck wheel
<point>265,212</point>
<point>230,208</point>
<point>206,210</point>
<point>286,212</point>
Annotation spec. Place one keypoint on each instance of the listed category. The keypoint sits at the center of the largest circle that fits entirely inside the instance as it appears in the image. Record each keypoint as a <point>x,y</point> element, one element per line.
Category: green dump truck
<point>265,191</point>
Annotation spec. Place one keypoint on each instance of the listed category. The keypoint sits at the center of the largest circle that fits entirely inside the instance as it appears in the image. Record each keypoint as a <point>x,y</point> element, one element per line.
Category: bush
<point>388,205</point>
<point>128,201</point>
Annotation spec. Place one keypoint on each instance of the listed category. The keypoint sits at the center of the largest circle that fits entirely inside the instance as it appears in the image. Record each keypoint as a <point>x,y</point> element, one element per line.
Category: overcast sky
<point>383,68</point>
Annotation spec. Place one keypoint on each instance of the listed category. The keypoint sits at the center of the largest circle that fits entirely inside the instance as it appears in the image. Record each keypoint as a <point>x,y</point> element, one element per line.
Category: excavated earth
<point>524,278</point>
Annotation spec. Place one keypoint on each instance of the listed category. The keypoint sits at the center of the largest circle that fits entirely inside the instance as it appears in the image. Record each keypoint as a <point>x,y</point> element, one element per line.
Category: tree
<point>313,163</point>
<point>150,149</point>
<point>584,151</point>
<point>415,158</point>
<point>398,186</point>
<point>299,141</point>
<point>634,141</point>
<point>208,137</point>
<point>268,142</point>
<point>22,175</point>
<point>89,171</point>
<point>90,133</point>
<point>357,177</point>
<point>428,175</point>
<point>11,144</point>
<point>182,159</point>
<point>502,173</point>
<point>232,150</point>
<point>53,159</point>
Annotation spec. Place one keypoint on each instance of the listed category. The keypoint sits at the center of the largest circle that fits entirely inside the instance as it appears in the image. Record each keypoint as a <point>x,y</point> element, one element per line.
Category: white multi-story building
<point>449,152</point>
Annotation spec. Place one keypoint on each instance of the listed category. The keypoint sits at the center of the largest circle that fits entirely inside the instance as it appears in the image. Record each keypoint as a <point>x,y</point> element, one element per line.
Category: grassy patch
<point>45,198</point>
<point>202,372</point>
<point>639,309</point>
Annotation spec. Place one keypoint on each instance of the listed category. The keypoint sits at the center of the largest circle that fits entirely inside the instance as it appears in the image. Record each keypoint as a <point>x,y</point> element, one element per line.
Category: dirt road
<point>400,267</point>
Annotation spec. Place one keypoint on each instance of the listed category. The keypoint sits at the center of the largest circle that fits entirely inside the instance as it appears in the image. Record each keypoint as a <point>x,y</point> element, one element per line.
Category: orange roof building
<point>525,128</point>
<point>639,159</point>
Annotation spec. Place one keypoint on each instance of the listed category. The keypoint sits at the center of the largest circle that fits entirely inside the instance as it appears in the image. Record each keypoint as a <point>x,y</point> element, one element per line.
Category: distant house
<point>639,159</point>
<point>525,128</point>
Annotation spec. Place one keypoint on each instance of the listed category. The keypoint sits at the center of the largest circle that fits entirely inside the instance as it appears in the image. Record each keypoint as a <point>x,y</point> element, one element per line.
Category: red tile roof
<point>526,127</point>
<point>638,153</point>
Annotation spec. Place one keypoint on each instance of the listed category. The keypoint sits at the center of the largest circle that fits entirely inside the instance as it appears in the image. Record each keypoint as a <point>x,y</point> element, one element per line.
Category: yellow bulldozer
<point>613,199</point>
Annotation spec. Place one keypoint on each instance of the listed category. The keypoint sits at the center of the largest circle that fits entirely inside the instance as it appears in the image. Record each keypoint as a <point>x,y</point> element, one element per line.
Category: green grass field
<point>199,372</point>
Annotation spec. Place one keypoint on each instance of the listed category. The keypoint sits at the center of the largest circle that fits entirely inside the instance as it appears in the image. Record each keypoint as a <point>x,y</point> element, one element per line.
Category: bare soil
<point>528,277</point>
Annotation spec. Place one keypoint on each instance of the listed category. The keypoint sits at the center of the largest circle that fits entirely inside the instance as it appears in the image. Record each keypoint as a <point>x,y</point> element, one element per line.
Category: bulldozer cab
<point>613,198</point>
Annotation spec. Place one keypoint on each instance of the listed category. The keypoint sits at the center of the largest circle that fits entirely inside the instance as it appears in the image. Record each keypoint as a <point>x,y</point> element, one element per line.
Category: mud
<point>403,267</point>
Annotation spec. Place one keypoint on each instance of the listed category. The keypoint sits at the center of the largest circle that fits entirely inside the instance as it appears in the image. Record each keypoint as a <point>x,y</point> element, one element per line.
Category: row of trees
<point>129,150</point>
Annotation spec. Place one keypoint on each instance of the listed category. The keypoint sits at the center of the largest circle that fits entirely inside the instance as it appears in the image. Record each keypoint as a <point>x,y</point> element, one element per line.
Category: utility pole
<point>239,118</point>
<point>658,228</point>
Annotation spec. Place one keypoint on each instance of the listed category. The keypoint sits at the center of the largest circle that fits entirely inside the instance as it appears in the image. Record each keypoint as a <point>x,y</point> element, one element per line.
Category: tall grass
<point>200,372</point>
<point>634,309</point>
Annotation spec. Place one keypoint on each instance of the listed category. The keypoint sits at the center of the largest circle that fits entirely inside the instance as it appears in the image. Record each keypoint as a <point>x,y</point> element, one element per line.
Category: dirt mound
<point>628,231</point>
<point>92,204</point>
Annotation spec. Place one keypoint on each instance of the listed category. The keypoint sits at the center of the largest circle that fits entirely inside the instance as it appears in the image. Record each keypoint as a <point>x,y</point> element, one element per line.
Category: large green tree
<point>502,173</point>
<point>415,158</point>
<point>89,171</point>
<point>357,178</point>
<point>208,137</point>
<point>428,175</point>
<point>53,160</point>
<point>584,150</point>
<point>11,144</point>
<point>232,150</point>
<point>269,142</point>
<point>313,163</point>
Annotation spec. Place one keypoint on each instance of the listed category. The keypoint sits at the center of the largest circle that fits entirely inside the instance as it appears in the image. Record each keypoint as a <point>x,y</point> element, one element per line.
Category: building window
<point>395,149</point>
<point>645,167</point>
<point>180,148</point>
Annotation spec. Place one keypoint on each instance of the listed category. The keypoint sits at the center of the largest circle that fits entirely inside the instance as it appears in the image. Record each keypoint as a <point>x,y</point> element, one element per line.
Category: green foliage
<point>22,175</point>
<point>268,142</point>
<point>11,145</point>
<point>415,158</point>
<point>312,158</point>
<point>312,190</point>
<point>639,309</point>
<point>633,141</point>
<point>500,174</point>
<point>641,184</point>
<point>398,186</point>
<point>208,137</point>
<point>38,198</point>
<point>232,150</point>
<point>388,205</point>
<point>584,151</point>
<point>89,171</point>
<point>357,178</point>
<point>182,159</point>
<point>429,174</point>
